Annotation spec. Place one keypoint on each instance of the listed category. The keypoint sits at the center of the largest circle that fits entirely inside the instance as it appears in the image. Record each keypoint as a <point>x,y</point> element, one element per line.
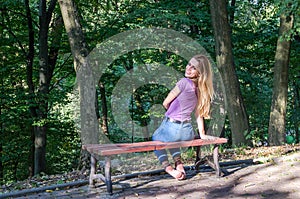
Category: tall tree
<point>277,123</point>
<point>224,56</point>
<point>38,94</point>
<point>86,83</point>
<point>29,80</point>
<point>40,129</point>
<point>45,75</point>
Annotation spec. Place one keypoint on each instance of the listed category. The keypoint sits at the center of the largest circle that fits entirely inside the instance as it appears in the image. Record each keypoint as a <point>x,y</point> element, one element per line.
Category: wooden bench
<point>108,150</point>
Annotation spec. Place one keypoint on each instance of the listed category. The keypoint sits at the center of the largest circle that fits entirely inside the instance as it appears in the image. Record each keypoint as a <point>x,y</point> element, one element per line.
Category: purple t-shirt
<point>184,104</point>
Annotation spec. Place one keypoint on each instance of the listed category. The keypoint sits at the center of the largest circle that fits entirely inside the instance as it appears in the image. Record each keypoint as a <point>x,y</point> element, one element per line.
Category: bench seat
<point>114,149</point>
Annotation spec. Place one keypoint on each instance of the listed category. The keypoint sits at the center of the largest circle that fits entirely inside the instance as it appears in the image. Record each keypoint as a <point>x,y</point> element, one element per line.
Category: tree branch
<point>50,10</point>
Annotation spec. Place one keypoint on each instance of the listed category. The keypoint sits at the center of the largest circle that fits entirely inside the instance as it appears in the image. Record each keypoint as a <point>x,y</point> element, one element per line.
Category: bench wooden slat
<point>122,150</point>
<point>113,149</point>
<point>90,146</point>
<point>99,148</point>
<point>196,142</point>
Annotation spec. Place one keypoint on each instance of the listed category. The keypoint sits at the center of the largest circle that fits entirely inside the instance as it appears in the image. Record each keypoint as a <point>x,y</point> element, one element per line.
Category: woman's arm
<point>171,96</point>
<point>200,124</point>
<point>201,128</point>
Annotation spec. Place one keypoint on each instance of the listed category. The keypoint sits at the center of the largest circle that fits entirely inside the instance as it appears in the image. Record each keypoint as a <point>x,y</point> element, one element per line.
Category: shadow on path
<point>279,178</point>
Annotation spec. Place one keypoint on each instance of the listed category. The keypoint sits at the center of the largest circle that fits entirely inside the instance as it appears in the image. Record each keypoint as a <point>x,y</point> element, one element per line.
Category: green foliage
<point>254,49</point>
<point>16,120</point>
<point>293,109</point>
<point>254,35</point>
<point>63,147</point>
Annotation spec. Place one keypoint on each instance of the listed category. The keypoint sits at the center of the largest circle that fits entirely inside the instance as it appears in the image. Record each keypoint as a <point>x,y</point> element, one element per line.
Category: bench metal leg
<point>198,154</point>
<point>199,160</point>
<point>107,171</point>
<point>214,165</point>
<point>92,171</point>
<point>216,160</point>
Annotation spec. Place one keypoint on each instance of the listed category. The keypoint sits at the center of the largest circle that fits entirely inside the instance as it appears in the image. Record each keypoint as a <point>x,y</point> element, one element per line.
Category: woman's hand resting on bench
<point>208,137</point>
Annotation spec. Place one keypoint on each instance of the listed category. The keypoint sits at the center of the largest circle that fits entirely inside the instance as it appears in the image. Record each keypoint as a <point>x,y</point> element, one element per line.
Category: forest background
<point>39,112</point>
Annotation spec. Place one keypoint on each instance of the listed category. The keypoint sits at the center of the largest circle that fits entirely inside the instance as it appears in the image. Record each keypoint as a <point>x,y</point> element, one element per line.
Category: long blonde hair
<point>205,85</point>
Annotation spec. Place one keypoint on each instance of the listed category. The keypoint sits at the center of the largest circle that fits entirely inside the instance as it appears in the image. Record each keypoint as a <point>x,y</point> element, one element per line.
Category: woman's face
<point>190,70</point>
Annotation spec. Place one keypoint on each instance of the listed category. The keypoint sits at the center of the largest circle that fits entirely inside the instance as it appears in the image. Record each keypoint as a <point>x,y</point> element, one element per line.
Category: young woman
<point>192,93</point>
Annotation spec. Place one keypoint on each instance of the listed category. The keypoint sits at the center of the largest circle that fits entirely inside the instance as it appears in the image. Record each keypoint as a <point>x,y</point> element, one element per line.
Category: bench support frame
<point>107,179</point>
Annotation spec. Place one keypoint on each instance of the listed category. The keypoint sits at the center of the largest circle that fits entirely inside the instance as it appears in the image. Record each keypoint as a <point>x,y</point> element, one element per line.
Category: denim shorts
<point>173,132</point>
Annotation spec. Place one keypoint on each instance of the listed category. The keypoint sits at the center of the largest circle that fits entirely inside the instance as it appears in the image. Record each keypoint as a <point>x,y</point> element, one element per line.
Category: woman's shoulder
<point>183,82</point>
<point>184,79</point>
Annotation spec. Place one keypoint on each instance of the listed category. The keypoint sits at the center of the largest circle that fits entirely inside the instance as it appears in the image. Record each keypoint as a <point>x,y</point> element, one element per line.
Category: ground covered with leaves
<point>146,162</point>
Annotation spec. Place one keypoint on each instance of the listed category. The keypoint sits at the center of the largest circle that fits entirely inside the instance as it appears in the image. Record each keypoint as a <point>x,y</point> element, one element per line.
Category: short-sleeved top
<point>184,104</point>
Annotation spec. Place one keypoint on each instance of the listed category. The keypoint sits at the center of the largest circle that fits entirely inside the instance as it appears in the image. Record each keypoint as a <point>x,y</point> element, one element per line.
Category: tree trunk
<point>276,129</point>
<point>31,154</point>
<point>56,35</point>
<point>104,117</point>
<point>39,110</point>
<point>236,111</point>
<point>40,129</point>
<point>1,145</point>
<point>86,83</point>
<point>29,79</point>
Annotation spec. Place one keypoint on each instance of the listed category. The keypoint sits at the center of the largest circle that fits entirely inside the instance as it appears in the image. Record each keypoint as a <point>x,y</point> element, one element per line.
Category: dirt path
<point>277,179</point>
